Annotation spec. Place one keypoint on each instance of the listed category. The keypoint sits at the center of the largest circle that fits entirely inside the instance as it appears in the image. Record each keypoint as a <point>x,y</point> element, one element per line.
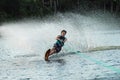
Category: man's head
<point>63,32</point>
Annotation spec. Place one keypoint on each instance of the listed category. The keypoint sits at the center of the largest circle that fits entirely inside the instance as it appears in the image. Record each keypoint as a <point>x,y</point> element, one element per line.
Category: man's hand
<point>57,38</point>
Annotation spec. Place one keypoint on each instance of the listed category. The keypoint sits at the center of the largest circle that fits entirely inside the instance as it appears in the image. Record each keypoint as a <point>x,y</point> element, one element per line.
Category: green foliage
<point>16,9</point>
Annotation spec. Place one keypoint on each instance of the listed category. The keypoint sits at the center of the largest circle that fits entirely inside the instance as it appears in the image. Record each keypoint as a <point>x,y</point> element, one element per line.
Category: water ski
<point>47,55</point>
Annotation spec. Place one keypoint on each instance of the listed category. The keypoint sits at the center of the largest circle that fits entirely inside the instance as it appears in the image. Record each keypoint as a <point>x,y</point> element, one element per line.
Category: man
<point>61,39</point>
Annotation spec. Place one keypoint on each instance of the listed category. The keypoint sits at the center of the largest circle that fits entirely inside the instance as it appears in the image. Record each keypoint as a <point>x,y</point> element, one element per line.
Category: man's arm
<point>58,37</point>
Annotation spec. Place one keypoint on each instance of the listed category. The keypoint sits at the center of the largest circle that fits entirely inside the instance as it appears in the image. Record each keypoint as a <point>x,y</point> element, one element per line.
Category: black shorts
<point>57,48</point>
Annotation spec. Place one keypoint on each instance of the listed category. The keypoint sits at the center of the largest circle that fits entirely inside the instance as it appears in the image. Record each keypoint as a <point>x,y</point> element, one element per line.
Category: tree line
<point>16,9</point>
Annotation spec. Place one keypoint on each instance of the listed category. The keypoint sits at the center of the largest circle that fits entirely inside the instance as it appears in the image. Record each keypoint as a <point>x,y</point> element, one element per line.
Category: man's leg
<point>52,51</point>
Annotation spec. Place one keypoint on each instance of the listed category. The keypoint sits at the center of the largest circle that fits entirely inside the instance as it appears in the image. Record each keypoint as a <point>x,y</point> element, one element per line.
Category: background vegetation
<point>17,9</point>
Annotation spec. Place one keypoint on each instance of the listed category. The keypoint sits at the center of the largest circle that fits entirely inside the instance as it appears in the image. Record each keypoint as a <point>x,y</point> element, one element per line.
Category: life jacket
<point>62,38</point>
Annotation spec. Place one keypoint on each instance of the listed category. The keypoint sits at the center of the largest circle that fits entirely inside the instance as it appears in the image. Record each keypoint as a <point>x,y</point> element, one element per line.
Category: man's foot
<point>47,55</point>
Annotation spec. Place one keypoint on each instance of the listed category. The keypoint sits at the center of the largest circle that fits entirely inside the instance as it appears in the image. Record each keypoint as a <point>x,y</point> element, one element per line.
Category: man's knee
<point>53,50</point>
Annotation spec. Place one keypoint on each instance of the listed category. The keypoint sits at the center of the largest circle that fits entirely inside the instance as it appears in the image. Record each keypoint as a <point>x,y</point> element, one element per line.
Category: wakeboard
<point>47,55</point>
